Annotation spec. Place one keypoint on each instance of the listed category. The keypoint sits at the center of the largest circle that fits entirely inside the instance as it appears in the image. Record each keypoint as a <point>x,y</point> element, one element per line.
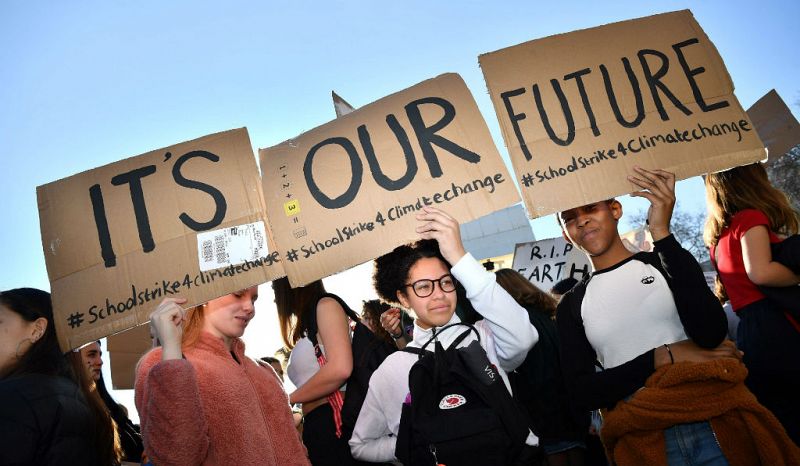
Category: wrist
<point>171,352</point>
<point>660,357</point>
<point>669,352</point>
<point>659,233</point>
<point>397,336</point>
<point>456,256</point>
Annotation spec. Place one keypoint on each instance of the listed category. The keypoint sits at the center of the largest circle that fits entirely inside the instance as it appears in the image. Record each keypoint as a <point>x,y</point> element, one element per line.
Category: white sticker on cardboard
<point>231,246</point>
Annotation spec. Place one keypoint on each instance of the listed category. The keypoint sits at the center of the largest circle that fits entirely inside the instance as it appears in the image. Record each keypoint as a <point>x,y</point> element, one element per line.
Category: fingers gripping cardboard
<point>345,192</point>
<point>579,110</point>
<point>119,238</point>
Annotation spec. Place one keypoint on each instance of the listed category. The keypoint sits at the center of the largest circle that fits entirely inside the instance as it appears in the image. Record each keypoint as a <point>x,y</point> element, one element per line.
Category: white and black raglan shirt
<point>619,315</point>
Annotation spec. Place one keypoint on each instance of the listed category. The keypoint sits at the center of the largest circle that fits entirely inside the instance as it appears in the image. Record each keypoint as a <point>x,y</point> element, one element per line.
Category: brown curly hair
<point>391,270</point>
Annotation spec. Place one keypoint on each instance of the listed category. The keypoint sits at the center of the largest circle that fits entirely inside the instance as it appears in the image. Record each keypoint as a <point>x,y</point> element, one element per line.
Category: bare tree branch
<point>687,227</point>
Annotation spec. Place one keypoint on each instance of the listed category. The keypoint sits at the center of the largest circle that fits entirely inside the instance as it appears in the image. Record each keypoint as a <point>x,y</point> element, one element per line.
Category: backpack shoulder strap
<point>459,339</point>
<point>413,350</point>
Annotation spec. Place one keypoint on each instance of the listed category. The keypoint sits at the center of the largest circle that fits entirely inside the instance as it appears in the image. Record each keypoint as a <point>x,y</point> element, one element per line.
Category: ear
<point>616,209</point>
<point>401,297</point>
<point>566,237</point>
<point>38,328</point>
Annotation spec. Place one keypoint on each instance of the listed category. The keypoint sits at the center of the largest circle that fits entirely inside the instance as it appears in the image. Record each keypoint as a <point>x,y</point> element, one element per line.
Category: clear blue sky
<point>83,84</point>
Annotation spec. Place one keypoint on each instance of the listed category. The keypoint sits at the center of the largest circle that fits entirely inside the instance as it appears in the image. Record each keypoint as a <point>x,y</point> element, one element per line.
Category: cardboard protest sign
<point>186,220</point>
<point>578,111</point>
<point>346,192</point>
<point>546,262</point>
<point>340,106</point>
<point>775,124</point>
<point>124,350</point>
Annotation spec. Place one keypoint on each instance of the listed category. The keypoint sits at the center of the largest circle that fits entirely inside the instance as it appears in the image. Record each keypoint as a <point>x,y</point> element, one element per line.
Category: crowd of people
<point>454,364</point>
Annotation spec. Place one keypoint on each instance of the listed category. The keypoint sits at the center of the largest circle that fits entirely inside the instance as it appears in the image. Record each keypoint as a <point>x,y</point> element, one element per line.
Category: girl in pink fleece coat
<point>202,401</point>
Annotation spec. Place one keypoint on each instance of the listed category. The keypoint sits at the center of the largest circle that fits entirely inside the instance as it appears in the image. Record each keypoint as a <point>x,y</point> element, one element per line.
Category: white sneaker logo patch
<point>452,401</point>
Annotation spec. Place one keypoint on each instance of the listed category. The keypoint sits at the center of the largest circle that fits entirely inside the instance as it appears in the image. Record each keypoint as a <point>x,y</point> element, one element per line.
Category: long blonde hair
<point>746,187</point>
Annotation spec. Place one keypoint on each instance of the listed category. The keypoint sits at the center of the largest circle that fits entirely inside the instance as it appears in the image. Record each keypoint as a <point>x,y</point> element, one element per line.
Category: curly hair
<point>371,311</point>
<point>391,270</point>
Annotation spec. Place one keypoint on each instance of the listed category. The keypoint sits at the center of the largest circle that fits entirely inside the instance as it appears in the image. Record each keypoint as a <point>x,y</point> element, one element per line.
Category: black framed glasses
<point>424,288</point>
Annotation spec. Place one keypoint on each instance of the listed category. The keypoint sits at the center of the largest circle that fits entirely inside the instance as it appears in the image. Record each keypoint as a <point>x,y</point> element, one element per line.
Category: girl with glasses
<point>421,277</point>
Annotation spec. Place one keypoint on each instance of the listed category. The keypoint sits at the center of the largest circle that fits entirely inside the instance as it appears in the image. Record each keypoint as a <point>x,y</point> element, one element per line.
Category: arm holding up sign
<point>507,320</point>
<point>683,322</point>
<point>183,389</point>
<point>419,277</point>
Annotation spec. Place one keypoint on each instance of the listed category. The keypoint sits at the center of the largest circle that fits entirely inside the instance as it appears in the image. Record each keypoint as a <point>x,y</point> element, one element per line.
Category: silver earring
<point>16,353</point>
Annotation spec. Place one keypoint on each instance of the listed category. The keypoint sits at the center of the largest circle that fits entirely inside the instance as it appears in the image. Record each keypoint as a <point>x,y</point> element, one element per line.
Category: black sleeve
<point>700,311</point>
<point>18,423</point>
<point>587,388</point>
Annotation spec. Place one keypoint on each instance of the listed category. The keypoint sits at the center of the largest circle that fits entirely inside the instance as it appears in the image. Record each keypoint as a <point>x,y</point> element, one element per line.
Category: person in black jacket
<point>48,415</point>
<point>538,383</point>
<point>635,312</point>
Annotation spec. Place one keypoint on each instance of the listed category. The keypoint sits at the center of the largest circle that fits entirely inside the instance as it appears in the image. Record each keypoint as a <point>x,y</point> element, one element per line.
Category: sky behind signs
<point>89,83</point>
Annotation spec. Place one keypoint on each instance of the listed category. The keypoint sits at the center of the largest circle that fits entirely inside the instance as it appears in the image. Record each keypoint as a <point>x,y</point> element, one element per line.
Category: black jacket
<point>699,310</point>
<point>539,385</point>
<point>44,420</point>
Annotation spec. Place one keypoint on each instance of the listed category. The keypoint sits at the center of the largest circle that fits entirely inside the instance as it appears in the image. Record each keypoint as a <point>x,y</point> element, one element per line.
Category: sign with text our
<point>186,221</point>
<point>579,110</point>
<point>346,192</point>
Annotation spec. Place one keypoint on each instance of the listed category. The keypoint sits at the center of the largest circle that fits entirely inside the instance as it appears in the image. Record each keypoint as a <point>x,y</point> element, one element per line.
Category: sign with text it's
<point>183,221</point>
<point>346,192</point>
<point>579,110</point>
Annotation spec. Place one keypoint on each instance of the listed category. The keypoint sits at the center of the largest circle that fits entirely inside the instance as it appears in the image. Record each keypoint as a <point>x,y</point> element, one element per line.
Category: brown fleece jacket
<point>208,409</point>
<point>748,433</point>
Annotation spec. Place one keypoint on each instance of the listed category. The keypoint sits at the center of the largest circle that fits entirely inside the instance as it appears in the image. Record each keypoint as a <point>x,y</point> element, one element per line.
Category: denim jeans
<point>693,445</point>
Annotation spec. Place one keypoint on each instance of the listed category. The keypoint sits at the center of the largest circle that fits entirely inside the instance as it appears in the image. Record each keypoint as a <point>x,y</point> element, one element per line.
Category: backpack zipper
<point>432,448</point>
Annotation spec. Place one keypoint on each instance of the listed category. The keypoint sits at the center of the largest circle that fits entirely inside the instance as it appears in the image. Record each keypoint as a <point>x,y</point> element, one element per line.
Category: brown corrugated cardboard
<point>119,238</point>
<point>347,191</point>
<point>125,349</point>
<point>775,124</point>
<point>578,111</point>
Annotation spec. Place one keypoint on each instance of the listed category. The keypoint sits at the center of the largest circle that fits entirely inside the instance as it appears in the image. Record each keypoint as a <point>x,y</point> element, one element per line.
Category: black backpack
<point>369,351</point>
<point>459,411</point>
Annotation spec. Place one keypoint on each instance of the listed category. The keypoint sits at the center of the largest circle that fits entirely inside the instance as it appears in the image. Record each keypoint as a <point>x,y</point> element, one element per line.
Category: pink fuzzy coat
<point>208,409</point>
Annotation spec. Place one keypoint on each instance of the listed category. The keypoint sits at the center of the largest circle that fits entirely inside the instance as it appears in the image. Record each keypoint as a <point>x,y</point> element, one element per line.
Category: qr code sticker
<point>208,251</point>
<point>231,245</point>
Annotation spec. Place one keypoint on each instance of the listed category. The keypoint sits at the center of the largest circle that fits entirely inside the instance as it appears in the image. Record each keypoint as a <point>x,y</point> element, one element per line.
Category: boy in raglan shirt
<point>638,312</point>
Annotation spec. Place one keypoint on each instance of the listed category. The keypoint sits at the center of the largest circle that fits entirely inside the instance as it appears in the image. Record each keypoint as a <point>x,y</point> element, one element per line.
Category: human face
<point>592,227</point>
<point>228,316</point>
<point>92,357</point>
<point>278,369</point>
<point>434,310</point>
<point>16,336</point>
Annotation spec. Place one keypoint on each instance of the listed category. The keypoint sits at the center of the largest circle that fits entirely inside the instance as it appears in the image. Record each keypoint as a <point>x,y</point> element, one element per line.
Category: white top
<point>302,363</point>
<point>506,334</point>
<point>628,310</point>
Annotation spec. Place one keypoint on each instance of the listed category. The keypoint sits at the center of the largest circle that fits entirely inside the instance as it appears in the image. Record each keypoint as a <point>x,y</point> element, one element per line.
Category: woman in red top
<point>746,215</point>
